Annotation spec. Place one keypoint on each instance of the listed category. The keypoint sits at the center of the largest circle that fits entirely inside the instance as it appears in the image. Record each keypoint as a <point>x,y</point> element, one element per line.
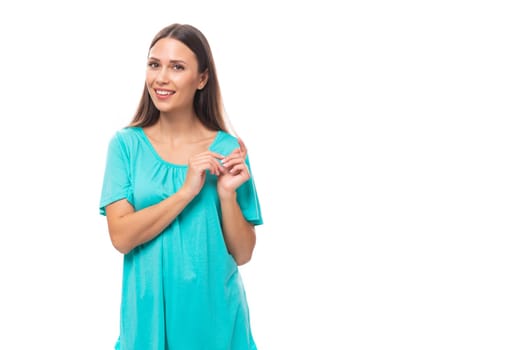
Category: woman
<point>181,206</point>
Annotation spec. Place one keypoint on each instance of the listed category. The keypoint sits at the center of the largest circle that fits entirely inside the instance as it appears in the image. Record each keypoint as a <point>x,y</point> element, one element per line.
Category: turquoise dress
<point>182,290</point>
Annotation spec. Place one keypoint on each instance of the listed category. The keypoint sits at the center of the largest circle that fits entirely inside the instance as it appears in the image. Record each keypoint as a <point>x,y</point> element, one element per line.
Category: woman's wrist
<point>185,194</point>
<point>227,195</point>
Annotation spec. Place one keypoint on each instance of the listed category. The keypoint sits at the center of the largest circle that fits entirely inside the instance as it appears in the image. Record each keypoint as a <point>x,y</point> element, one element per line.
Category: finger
<point>237,169</point>
<point>207,163</point>
<point>232,160</point>
<point>214,166</point>
<point>213,154</point>
<point>244,150</point>
<point>209,155</point>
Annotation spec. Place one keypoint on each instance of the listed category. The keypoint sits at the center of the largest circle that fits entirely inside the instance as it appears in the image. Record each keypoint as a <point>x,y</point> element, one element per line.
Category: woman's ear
<point>203,80</point>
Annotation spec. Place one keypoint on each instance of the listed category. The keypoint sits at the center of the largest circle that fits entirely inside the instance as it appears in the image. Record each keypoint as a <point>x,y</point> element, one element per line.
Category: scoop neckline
<point>162,160</point>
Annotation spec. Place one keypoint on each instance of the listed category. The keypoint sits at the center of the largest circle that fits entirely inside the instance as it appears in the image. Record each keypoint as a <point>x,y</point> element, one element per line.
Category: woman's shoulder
<point>128,131</point>
<point>225,142</point>
<point>126,138</point>
<point>127,134</point>
<point>227,137</point>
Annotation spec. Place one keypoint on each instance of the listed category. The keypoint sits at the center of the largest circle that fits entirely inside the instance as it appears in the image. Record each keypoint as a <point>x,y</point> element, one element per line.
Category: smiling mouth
<point>164,92</point>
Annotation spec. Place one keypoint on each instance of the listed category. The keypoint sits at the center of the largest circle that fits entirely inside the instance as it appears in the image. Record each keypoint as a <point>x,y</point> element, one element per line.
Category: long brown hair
<point>207,101</point>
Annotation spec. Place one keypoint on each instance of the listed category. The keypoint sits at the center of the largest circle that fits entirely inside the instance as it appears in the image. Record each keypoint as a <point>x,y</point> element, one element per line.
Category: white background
<point>386,140</point>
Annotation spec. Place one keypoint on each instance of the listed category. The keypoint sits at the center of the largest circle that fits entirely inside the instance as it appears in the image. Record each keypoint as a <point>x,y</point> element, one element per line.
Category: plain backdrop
<point>387,146</point>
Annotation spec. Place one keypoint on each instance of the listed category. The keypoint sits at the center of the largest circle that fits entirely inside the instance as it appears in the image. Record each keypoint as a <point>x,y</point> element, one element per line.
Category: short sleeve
<point>117,177</point>
<point>249,201</point>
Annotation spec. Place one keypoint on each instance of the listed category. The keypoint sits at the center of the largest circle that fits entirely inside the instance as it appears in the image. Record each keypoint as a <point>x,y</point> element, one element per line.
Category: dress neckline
<point>162,160</point>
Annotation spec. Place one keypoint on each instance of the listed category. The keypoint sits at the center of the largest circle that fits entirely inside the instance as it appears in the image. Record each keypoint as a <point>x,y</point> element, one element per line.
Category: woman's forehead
<point>171,49</point>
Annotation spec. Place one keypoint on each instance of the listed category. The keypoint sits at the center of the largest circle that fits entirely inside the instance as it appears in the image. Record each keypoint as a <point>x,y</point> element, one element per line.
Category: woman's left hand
<point>235,171</point>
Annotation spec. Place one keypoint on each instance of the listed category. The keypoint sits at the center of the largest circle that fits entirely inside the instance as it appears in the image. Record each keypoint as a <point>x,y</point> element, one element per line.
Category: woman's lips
<point>164,94</point>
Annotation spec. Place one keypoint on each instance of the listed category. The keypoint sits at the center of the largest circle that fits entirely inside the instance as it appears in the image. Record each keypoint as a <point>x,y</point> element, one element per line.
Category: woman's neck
<point>181,127</point>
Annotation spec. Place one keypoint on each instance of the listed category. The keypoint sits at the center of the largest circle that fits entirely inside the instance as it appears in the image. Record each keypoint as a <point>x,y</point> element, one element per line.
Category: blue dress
<point>182,290</point>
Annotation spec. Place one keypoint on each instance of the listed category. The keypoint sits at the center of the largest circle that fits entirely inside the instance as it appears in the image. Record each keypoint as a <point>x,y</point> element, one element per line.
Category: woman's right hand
<point>197,166</point>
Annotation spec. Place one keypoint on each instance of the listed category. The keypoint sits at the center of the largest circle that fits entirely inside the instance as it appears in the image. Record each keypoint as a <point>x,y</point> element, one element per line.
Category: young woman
<point>181,206</point>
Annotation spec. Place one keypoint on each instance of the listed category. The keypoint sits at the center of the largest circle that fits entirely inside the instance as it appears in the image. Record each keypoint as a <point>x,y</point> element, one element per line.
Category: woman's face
<point>172,75</point>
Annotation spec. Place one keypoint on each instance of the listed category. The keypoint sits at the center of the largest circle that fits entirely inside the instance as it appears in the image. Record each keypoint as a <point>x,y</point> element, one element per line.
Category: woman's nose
<point>162,76</point>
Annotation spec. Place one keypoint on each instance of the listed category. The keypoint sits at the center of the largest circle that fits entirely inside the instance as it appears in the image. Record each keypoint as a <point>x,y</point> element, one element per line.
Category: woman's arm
<point>129,228</point>
<point>239,234</point>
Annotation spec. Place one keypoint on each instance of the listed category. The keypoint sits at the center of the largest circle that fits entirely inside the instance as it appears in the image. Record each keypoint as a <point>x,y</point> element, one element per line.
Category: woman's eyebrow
<point>171,61</point>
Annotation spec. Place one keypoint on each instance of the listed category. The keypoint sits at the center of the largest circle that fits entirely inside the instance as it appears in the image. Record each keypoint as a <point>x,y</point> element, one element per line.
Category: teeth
<point>163,92</point>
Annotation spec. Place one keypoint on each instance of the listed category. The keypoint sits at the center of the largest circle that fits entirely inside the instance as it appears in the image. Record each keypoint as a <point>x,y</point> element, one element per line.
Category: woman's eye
<point>153,64</point>
<point>178,67</point>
